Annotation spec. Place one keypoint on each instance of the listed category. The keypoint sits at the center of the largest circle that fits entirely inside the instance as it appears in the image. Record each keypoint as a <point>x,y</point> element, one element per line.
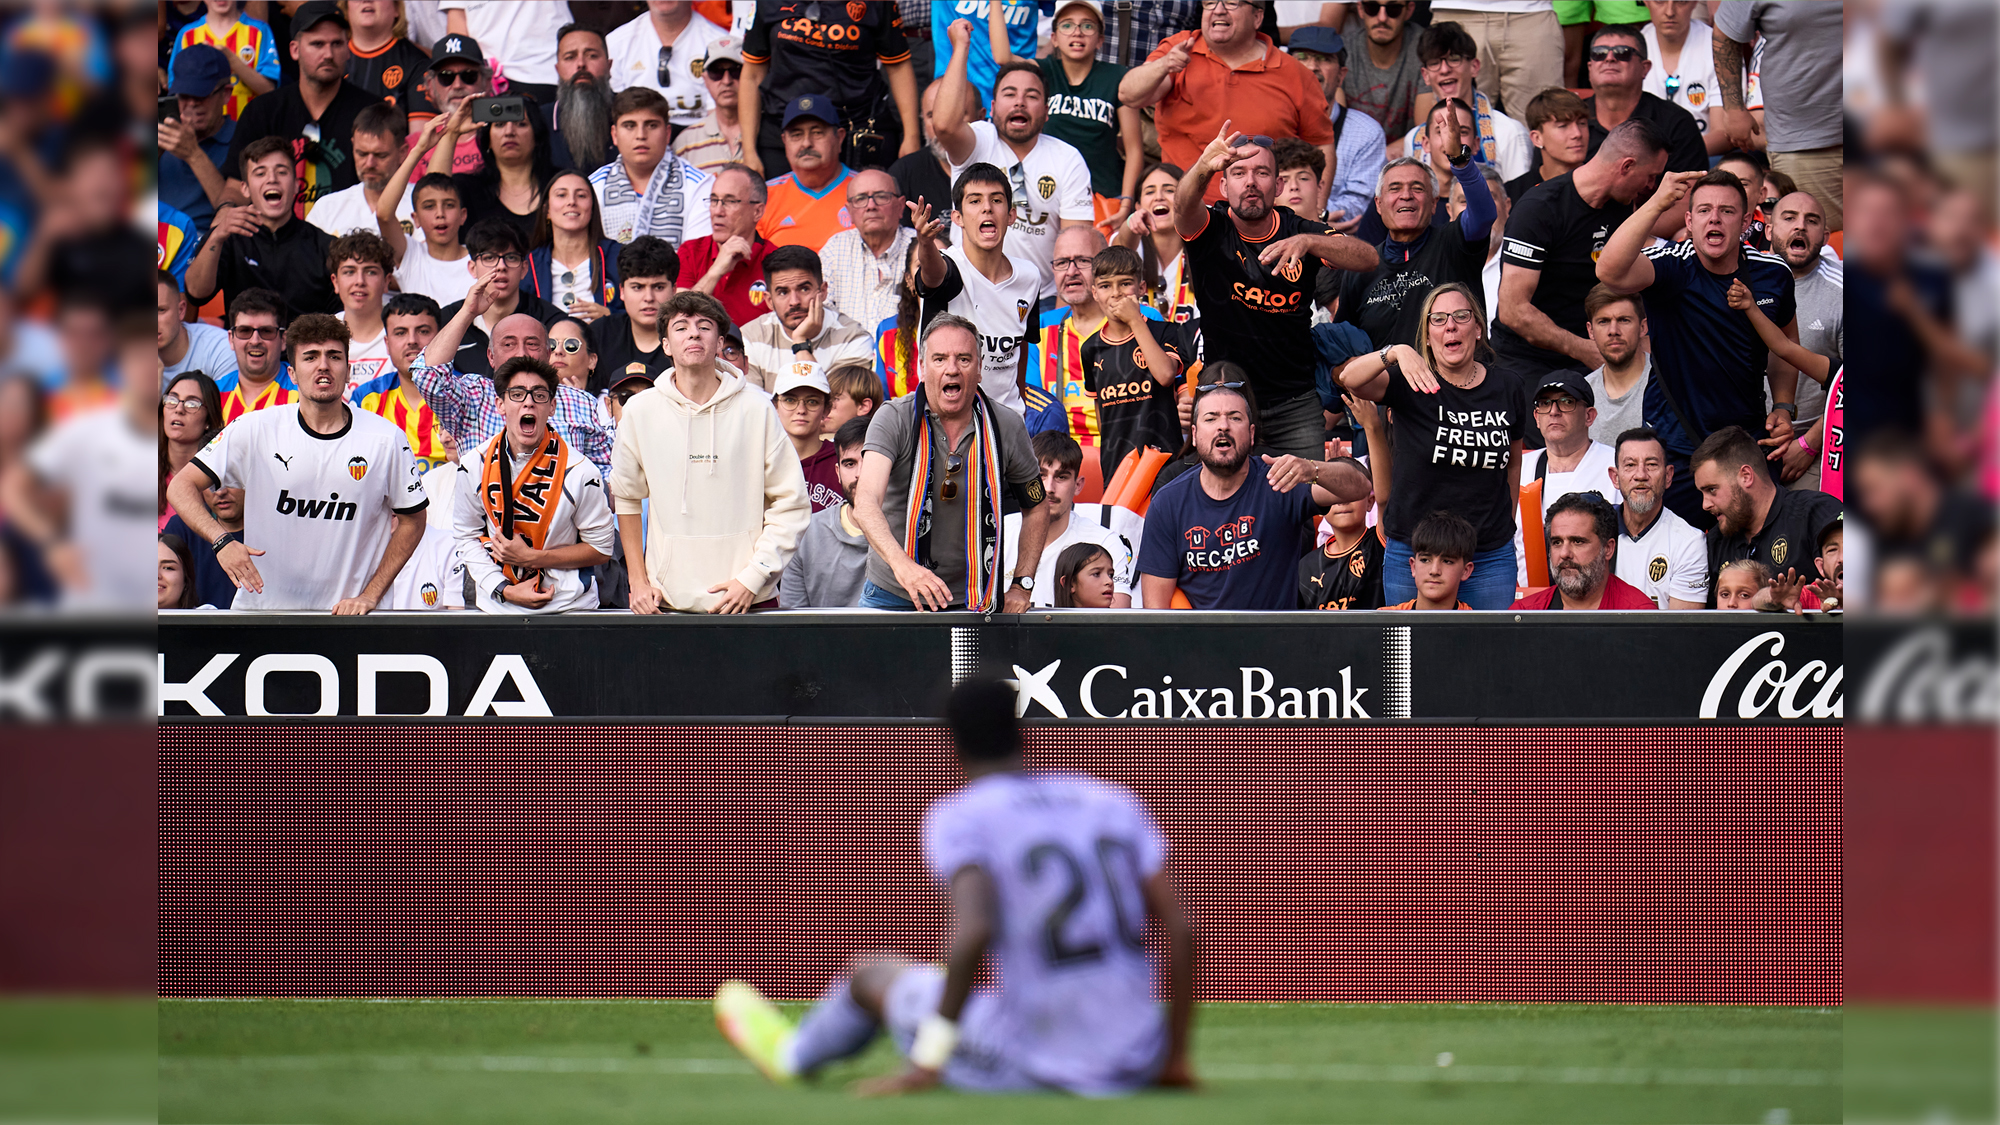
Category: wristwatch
<point>802,346</point>
<point>500,591</point>
<point>1025,582</point>
<point>1460,158</point>
<point>225,539</point>
<point>1788,407</point>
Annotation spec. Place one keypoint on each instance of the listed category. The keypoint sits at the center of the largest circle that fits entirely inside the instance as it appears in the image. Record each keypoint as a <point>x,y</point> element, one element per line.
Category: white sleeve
<point>468,523</point>
<point>595,524</point>
<point>406,488</point>
<point>1687,571</point>
<point>1076,201</point>
<point>57,455</point>
<point>215,456</point>
<point>1124,563</point>
<point>697,224</point>
<point>1511,149</point>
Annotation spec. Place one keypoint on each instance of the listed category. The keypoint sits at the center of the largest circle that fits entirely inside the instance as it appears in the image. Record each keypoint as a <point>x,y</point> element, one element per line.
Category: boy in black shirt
<point>1346,573</point>
<point>630,343</point>
<point>1134,375</point>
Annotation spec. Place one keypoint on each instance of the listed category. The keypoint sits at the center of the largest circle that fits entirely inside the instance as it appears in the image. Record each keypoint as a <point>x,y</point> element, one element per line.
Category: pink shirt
<point>1832,457</point>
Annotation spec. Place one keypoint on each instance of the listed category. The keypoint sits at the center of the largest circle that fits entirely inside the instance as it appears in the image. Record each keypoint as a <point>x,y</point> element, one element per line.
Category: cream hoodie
<point>728,495</point>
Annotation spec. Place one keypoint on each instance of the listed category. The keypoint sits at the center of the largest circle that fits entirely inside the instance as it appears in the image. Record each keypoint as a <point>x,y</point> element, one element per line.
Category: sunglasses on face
<point>1621,53</point>
<point>624,395</point>
<point>248,332</point>
<point>725,72</point>
<point>450,78</point>
<point>570,346</point>
<point>1393,11</point>
<point>1563,405</point>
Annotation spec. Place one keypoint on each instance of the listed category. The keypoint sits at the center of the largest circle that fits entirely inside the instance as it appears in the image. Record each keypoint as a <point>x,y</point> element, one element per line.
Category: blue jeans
<point>875,597</point>
<point>1490,587</point>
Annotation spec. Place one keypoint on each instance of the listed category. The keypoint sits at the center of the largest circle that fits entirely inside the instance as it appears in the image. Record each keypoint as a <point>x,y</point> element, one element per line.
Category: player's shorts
<point>1569,12</point>
<point>913,995</point>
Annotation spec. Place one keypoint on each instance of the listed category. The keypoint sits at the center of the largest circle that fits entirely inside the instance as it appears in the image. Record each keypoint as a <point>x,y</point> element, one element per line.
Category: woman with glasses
<point>571,264</point>
<point>1458,427</point>
<point>570,354</point>
<point>190,414</point>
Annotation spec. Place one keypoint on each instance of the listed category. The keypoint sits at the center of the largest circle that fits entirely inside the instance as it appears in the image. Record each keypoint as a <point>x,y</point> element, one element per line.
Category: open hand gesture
<point>929,224</point>
<point>1227,148</point>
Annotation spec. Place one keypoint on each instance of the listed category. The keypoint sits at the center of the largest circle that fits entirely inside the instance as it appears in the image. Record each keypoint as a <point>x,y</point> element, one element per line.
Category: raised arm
<point>1332,483</point>
<point>1151,81</point>
<point>1189,214</point>
<point>399,182</point>
<point>1518,312</point>
<point>1367,376</point>
<point>749,105</point>
<point>1001,44</point>
<point>1623,265</point>
<point>930,224</point>
<point>950,120</point>
<point>1375,425</point>
<point>1476,221</point>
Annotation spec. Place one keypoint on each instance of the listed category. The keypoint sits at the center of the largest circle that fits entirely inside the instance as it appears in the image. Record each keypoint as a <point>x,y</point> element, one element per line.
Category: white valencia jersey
<point>1069,856</point>
<point>318,505</point>
<point>1671,558</point>
<point>1001,313</point>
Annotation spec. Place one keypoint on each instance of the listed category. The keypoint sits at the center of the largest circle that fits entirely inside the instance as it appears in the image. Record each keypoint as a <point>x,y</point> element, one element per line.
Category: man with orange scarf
<point>530,515</point>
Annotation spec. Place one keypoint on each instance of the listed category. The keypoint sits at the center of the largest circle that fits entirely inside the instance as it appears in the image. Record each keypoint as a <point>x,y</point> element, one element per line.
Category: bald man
<point>864,266</point>
<point>1059,351</point>
<point>464,402</point>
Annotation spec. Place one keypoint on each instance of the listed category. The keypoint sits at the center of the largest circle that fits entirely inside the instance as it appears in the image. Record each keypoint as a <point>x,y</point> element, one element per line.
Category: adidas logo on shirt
<point>1816,326</point>
<point>331,509</point>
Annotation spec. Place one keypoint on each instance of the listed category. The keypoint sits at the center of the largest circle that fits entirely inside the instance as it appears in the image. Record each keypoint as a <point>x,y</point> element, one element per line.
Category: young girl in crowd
<point>571,264</point>
<point>1737,583</point>
<point>1150,230</point>
<point>1084,577</point>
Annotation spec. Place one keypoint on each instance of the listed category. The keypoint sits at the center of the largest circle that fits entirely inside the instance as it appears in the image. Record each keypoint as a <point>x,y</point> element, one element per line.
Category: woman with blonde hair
<point>1457,426</point>
<point>380,57</point>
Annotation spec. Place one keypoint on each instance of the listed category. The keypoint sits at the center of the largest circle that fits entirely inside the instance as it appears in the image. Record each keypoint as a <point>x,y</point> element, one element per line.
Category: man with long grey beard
<point>580,119</point>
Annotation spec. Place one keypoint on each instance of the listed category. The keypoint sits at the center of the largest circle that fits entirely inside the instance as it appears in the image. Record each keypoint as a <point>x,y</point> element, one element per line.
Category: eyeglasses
<point>254,332</point>
<point>497,259</point>
<point>1456,316</point>
<point>1620,53</point>
<point>1081,261</point>
<point>1226,5</point>
<point>1451,60</point>
<point>871,198</point>
<point>538,396</point>
<point>728,201</point>
<point>1393,11</point>
<point>1567,404</point>
<point>666,56</point>
<point>952,464</point>
<point>569,346</point>
<point>450,78</point>
<point>1084,26</point>
<point>172,403</point>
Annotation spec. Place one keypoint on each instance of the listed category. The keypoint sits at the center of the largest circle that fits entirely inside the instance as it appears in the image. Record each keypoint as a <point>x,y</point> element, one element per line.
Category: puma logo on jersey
<point>284,460</point>
<point>328,509</point>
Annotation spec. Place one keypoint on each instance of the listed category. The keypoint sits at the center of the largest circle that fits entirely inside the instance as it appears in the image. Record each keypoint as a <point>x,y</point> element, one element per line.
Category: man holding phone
<point>195,131</point>
<point>457,74</point>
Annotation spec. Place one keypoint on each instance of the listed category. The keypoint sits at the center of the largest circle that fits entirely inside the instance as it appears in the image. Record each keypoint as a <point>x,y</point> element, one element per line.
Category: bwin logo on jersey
<point>329,509</point>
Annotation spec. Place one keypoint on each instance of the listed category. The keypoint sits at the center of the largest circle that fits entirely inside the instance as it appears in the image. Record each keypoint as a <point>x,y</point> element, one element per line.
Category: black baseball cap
<point>317,12</point>
<point>1570,383</point>
<point>457,48</point>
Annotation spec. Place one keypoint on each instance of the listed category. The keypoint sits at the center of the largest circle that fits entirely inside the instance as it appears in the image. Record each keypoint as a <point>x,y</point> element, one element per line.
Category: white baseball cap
<point>801,373</point>
<point>1096,9</point>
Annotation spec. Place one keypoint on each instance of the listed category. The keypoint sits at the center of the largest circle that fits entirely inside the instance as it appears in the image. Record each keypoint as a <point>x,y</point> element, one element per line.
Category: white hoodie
<point>728,497</point>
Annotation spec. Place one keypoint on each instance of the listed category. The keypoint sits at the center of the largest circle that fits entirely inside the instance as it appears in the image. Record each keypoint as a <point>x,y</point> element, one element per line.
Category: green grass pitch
<point>499,1061</point>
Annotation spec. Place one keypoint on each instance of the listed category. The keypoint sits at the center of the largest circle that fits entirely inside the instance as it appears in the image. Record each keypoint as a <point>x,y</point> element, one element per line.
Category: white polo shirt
<point>1670,558</point>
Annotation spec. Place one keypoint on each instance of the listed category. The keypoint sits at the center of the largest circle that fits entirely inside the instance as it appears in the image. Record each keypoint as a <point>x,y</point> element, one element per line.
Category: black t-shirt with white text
<point>1553,230</point>
<point>1251,315</point>
<point>1452,450</point>
<point>1133,409</point>
<point>1388,301</point>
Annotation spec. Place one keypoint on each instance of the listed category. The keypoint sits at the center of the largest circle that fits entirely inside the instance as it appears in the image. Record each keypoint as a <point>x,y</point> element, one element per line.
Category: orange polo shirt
<point>1277,97</point>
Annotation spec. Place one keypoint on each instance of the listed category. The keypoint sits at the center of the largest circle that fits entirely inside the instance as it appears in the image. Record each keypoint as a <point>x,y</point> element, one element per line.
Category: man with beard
<point>379,133</point>
<point>1659,553</point>
<point>1798,233</point>
<point>1254,268</point>
<point>1050,181</point>
<point>717,139</point>
<point>315,114</point>
<point>1709,364</point>
<point>331,494</point>
<point>1583,532</point>
<point>1231,535</point>
<point>1754,518</point>
<point>580,118</point>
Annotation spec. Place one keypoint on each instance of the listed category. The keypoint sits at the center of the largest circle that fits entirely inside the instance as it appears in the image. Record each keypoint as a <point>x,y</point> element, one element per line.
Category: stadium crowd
<point>708,307</point>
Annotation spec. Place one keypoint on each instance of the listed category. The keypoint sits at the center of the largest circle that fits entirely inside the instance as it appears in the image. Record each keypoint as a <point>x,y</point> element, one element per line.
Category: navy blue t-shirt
<point>1239,553</point>
<point>1705,352</point>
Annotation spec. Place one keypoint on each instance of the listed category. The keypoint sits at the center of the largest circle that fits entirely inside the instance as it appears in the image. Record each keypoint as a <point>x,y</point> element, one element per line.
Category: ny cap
<point>457,48</point>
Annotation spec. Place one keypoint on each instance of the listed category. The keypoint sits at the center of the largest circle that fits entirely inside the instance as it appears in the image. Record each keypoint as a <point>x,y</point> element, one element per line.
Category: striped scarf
<point>522,503</point>
<point>1062,377</point>
<point>982,492</point>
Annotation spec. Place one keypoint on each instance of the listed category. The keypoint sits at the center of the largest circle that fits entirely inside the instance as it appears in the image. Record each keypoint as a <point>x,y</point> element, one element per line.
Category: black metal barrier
<point>1079,666</point>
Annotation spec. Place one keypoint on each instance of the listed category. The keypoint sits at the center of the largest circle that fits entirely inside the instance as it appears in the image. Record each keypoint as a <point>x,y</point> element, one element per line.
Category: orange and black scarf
<point>522,503</point>
<point>982,499</point>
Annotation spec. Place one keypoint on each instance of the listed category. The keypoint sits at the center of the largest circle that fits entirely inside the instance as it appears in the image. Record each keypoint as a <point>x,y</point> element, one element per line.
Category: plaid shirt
<point>865,285</point>
<point>466,406</point>
<point>1152,22</point>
